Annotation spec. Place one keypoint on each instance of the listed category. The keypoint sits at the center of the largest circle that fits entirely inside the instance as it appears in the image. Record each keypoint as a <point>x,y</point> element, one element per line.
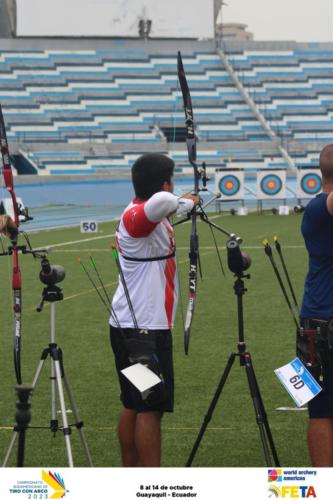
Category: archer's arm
<point>163,204</point>
<point>329,203</point>
<point>140,220</point>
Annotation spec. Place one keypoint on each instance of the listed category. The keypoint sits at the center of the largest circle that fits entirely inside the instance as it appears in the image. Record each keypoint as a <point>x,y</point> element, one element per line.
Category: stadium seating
<point>75,99</point>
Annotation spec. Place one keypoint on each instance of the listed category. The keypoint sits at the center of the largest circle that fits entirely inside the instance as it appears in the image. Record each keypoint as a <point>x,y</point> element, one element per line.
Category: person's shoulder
<point>317,207</point>
<point>134,203</point>
<point>317,201</point>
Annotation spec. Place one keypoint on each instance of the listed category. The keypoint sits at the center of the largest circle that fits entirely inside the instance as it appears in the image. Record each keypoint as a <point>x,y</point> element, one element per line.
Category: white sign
<point>89,226</point>
<point>298,381</point>
<point>284,210</point>
<point>115,18</point>
<point>141,377</point>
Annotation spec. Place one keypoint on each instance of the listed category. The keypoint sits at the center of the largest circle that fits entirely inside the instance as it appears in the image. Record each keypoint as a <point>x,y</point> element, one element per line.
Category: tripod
<point>237,265</point>
<point>52,294</point>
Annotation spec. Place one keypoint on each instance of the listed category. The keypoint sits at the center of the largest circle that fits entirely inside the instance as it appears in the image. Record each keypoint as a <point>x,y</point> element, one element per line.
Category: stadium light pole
<point>218,10</point>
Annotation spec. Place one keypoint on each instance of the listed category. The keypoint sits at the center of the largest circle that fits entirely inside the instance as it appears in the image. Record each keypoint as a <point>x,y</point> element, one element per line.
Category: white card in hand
<point>141,377</point>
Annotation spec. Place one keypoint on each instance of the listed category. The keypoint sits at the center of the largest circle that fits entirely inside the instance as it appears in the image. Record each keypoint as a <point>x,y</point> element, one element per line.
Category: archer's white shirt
<point>144,231</point>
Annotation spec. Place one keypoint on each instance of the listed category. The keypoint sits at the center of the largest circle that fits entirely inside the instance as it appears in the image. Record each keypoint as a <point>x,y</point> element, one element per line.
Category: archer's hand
<point>194,197</point>
<point>8,227</point>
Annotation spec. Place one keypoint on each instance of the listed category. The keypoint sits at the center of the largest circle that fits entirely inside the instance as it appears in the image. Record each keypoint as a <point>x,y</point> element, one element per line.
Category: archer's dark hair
<point>149,172</point>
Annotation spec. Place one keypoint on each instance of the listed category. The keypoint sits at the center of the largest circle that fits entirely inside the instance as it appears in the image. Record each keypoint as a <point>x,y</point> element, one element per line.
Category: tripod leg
<point>54,424</point>
<point>264,417</point>
<point>261,416</point>
<point>39,368</point>
<point>54,421</point>
<point>10,449</point>
<point>66,428</point>
<point>211,408</point>
<point>78,422</point>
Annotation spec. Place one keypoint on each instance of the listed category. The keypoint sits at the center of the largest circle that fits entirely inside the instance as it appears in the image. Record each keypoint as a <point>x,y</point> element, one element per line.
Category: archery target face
<point>271,184</point>
<point>308,183</point>
<point>230,184</point>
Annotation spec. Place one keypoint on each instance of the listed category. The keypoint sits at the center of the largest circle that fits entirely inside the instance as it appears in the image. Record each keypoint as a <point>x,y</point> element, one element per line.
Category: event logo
<point>56,482</point>
<point>51,485</point>
<point>291,492</point>
<point>273,492</point>
<point>274,475</point>
<point>285,490</point>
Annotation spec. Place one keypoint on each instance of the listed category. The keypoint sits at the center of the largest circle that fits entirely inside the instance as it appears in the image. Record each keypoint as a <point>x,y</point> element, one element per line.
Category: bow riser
<point>16,279</point>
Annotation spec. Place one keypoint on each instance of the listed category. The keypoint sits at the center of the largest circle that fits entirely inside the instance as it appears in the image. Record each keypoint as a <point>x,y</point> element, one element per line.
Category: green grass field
<point>232,438</point>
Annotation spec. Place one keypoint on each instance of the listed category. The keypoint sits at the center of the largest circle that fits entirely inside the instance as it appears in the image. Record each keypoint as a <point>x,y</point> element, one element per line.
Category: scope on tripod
<point>237,261</point>
<point>51,274</point>
<point>298,209</point>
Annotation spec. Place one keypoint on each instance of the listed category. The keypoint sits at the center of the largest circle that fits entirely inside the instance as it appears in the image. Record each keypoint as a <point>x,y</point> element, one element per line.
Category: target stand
<point>271,185</point>
<point>230,184</point>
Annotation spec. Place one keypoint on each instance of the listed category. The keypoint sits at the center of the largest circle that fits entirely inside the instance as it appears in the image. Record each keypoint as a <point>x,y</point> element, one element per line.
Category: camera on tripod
<point>50,274</point>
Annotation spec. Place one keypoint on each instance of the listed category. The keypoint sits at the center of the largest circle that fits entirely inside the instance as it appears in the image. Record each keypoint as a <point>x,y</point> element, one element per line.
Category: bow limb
<point>193,278</point>
<point>194,240</point>
<point>16,276</point>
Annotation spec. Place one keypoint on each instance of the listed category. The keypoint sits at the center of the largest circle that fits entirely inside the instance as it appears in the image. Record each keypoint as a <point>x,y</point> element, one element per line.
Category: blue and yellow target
<point>229,185</point>
<point>271,184</point>
<point>311,183</point>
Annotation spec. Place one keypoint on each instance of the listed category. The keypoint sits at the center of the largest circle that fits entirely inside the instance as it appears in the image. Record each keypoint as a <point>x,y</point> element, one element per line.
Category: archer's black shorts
<point>322,405</point>
<point>121,342</point>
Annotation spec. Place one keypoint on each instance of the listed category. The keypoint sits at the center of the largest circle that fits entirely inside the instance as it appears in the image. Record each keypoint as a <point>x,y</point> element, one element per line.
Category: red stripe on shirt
<point>170,272</point>
<point>137,223</point>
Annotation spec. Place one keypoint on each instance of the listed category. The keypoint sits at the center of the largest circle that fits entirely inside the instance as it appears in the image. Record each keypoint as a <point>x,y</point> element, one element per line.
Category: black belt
<point>318,322</point>
<point>148,259</point>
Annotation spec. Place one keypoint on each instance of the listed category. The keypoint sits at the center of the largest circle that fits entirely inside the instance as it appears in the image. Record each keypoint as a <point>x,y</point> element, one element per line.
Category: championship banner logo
<point>230,183</point>
<point>271,184</point>
<point>308,183</point>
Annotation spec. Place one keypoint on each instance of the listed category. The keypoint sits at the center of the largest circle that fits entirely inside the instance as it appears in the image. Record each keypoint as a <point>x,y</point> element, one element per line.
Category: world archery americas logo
<point>56,482</point>
<point>274,475</point>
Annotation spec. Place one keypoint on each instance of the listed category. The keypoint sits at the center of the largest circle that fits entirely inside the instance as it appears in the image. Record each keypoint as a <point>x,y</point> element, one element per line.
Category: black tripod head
<point>238,261</point>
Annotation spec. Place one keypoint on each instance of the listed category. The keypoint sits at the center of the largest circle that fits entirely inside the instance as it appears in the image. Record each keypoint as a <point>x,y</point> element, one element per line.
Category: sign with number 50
<point>88,226</point>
